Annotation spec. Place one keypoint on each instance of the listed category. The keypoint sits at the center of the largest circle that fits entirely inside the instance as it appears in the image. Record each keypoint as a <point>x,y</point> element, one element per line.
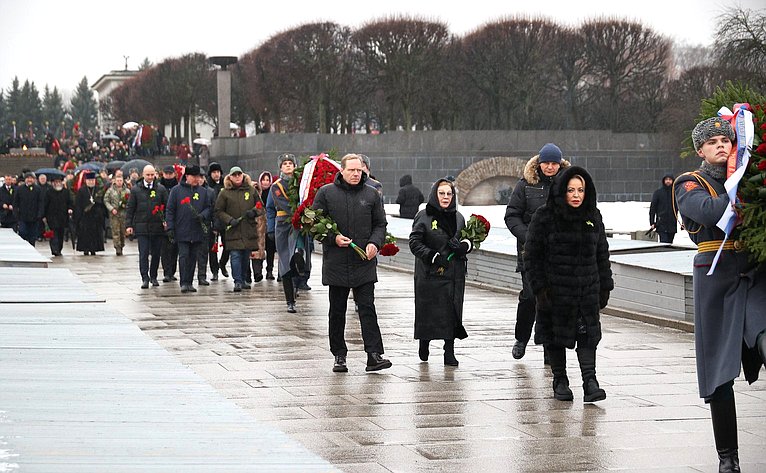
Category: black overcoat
<point>89,214</point>
<point>359,214</point>
<point>567,256</point>
<point>143,213</point>
<point>438,295</point>
<point>57,207</point>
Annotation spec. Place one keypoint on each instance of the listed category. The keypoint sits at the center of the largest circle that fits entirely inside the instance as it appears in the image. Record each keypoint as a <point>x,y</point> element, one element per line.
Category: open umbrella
<point>139,164</point>
<point>130,125</point>
<point>112,166</point>
<point>90,166</point>
<point>109,137</point>
<point>202,141</point>
<point>50,172</point>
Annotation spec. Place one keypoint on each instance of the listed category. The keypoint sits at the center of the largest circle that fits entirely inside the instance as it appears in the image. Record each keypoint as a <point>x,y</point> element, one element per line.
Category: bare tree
<point>741,39</point>
<point>624,58</point>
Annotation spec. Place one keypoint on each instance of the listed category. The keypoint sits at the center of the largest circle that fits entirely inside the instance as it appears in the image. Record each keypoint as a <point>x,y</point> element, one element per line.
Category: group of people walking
<point>563,258</point>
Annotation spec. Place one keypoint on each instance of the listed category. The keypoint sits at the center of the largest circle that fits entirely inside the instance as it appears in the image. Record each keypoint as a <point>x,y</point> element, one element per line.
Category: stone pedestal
<point>224,102</point>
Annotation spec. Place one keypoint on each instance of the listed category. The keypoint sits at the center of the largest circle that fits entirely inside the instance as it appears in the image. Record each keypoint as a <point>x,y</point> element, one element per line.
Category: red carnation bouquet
<point>48,233</point>
<point>389,247</point>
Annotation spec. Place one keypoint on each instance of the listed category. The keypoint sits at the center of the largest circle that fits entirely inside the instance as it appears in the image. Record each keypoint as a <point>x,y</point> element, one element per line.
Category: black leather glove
<point>603,299</point>
<point>251,214</point>
<point>543,298</point>
<point>233,222</point>
<point>453,243</point>
<point>462,249</point>
<point>440,260</point>
<point>270,236</point>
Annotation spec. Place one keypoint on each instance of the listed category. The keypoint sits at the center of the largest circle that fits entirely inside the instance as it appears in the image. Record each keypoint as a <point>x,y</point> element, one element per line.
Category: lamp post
<point>223,79</point>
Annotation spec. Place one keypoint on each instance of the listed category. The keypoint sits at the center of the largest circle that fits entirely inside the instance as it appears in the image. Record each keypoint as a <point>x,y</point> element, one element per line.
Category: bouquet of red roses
<point>476,230</point>
<point>389,247</point>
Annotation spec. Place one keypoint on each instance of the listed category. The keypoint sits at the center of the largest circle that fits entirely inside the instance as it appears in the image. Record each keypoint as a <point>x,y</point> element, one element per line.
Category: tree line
<point>402,73</point>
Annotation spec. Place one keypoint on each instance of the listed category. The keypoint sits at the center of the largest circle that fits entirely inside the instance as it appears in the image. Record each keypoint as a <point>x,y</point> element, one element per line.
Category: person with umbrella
<point>116,202</point>
<point>58,207</point>
<point>89,216</point>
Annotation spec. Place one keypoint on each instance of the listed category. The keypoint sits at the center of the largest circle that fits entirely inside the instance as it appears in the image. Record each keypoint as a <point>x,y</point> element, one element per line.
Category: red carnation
<point>186,200</point>
<point>162,208</point>
<point>48,234</point>
<point>258,205</point>
<point>763,127</point>
<point>762,165</point>
<point>761,149</point>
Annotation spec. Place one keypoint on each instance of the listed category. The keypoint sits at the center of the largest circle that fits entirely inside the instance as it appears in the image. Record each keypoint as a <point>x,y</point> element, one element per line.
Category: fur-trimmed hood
<point>246,182</point>
<point>530,169</point>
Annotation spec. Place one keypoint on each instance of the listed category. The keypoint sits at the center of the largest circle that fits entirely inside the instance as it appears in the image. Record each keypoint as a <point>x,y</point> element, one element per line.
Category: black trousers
<point>188,252</point>
<point>525,311</point>
<point>368,318</point>
<point>169,257</point>
<point>149,246</point>
<point>57,242</point>
<point>666,237</point>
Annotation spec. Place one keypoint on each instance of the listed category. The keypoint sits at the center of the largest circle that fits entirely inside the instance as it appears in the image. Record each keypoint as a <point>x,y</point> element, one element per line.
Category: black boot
<point>760,344</point>
<point>724,416</point>
<point>592,391</point>
<point>449,353</point>
<point>287,285</point>
<point>423,350</point>
<point>558,359</point>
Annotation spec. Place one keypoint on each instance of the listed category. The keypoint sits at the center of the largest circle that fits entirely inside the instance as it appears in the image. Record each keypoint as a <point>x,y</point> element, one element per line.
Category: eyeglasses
<point>445,194</point>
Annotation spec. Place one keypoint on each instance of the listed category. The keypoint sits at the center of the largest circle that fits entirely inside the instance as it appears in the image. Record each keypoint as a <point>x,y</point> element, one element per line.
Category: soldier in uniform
<point>289,242</point>
<point>116,202</point>
<point>730,304</point>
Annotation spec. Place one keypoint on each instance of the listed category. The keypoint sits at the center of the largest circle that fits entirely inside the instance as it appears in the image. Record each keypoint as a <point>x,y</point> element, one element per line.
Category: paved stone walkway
<point>491,414</point>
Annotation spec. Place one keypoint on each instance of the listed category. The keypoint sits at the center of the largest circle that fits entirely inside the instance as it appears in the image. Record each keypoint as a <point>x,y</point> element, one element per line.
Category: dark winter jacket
<point>187,224</point>
<point>409,198</point>
<point>661,213</point>
<point>28,202</point>
<point>247,233</point>
<point>146,209</point>
<point>439,290</point>
<point>567,260</point>
<point>530,193</point>
<point>57,207</point>
<point>359,215</point>
<point>7,216</point>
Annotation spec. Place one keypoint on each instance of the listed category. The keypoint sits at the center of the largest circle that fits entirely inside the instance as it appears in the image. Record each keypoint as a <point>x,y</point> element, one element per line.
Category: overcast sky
<point>58,42</point>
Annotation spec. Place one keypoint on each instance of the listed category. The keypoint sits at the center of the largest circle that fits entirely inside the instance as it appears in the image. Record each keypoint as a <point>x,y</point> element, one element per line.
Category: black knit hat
<point>214,166</point>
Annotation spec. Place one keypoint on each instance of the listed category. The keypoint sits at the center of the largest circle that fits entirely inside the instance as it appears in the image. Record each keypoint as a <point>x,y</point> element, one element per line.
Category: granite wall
<point>625,166</point>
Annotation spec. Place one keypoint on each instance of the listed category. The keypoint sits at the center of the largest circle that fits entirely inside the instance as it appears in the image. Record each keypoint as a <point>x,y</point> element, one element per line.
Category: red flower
<point>48,234</point>
<point>162,208</point>
<point>762,165</point>
<point>389,249</point>
<point>258,205</point>
<point>761,149</point>
<point>763,127</point>
<point>155,209</point>
<point>296,220</point>
<point>186,200</point>
<point>483,220</point>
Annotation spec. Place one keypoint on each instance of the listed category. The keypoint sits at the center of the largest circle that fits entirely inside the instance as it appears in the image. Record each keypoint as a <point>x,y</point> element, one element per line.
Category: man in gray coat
<point>356,209</point>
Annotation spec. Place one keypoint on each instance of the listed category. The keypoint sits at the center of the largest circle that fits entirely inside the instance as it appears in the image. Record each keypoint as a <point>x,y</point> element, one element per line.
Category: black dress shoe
<point>269,276</point>
<point>203,282</point>
<point>154,282</point>
<point>191,288</point>
<point>519,349</point>
<point>166,279</point>
<point>303,286</point>
<point>184,289</point>
<point>224,273</point>
<point>214,277</point>
<point>237,287</point>
<point>340,365</point>
<point>258,278</point>
<point>145,284</point>
<point>423,350</point>
<point>291,307</point>
<point>375,362</point>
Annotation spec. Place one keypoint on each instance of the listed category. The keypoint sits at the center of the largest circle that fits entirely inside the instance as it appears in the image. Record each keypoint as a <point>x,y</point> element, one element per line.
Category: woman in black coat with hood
<point>439,277</point>
<point>568,262</point>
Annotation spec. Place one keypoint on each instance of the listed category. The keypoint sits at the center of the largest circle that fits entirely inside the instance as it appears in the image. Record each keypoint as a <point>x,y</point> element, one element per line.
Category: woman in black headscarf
<point>567,257</point>
<point>440,268</point>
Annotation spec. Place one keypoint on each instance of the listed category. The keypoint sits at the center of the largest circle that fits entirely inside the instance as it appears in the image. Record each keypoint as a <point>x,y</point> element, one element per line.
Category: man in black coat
<point>356,209</point>
<point>662,218</point>
<point>169,252</point>
<point>530,193</point>
<point>144,218</point>
<point>58,207</point>
<point>7,216</point>
<point>28,206</point>
<point>409,198</point>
